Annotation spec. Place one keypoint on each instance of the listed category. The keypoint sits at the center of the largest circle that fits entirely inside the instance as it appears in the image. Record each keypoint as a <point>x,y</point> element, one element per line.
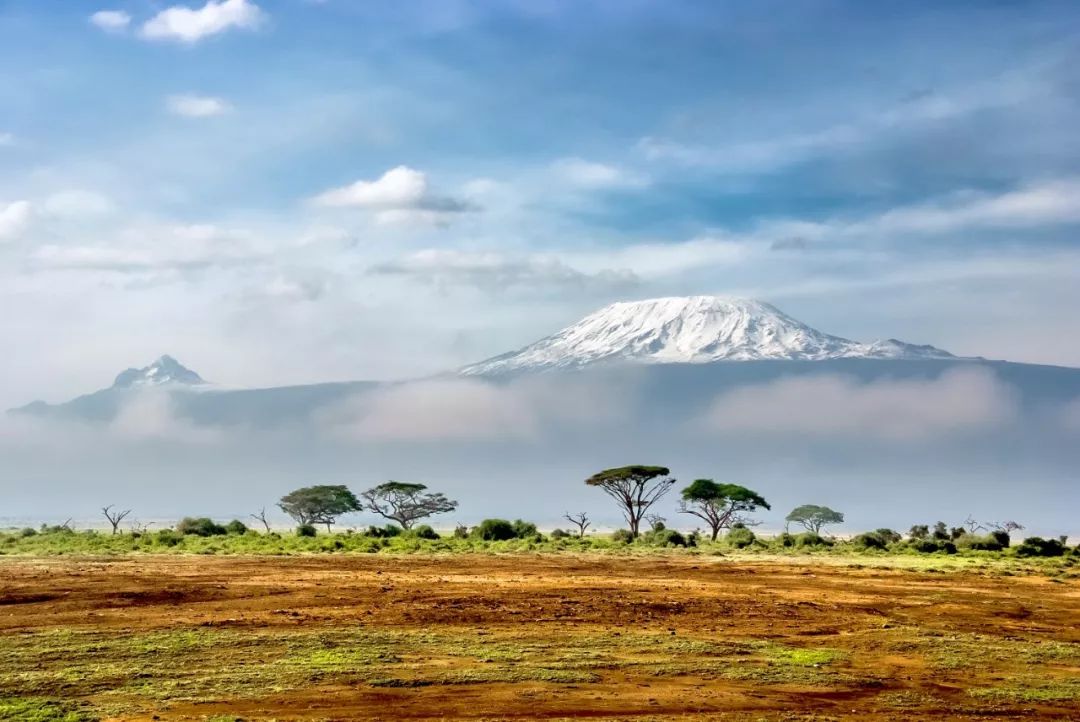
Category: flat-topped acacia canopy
<point>635,488</point>
<point>633,472</point>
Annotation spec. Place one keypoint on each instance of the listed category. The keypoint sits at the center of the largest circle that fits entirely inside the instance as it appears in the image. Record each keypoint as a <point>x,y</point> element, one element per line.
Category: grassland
<point>622,634</point>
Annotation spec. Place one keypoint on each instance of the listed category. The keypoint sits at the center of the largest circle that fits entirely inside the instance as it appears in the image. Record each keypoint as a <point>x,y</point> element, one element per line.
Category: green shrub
<point>811,540</point>
<point>306,530</point>
<point>663,537</point>
<point>923,546</point>
<point>919,531</point>
<point>1038,547</point>
<point>383,532</point>
<point>495,530</point>
<point>785,540</point>
<point>931,546</point>
<point>28,531</point>
<point>56,529</point>
<point>871,540</point>
<point>622,536</point>
<point>423,532</point>
<point>739,537</point>
<point>461,532</point>
<point>200,526</point>
<point>525,529</point>
<point>236,527</point>
<point>559,534</point>
<point>979,543</point>
<point>168,538</point>
<point>1001,537</point>
<point>890,536</point>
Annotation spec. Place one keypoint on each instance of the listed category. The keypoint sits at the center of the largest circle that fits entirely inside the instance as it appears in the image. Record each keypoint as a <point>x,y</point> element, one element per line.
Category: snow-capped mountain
<point>164,371</point>
<point>692,329</point>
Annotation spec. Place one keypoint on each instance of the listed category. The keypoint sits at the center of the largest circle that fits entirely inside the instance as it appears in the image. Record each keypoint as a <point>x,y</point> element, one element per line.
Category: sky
<point>292,191</point>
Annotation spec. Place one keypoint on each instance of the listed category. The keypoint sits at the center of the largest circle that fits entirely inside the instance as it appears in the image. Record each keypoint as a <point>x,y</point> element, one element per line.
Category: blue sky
<point>294,191</point>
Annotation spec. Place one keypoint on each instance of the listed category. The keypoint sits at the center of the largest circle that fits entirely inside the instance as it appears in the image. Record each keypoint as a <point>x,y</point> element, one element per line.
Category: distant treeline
<point>725,510</point>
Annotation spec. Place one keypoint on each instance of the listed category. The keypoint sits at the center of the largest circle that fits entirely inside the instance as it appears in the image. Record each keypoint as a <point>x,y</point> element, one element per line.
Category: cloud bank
<point>961,401</point>
<point>470,410</point>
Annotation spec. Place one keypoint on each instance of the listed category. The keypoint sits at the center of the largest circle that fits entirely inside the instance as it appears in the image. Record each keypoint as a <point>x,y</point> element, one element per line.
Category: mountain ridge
<point>691,329</point>
<point>164,370</point>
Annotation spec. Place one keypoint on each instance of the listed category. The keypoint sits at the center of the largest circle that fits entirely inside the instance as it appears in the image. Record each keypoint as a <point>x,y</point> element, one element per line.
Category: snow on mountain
<point>164,371</point>
<point>693,329</point>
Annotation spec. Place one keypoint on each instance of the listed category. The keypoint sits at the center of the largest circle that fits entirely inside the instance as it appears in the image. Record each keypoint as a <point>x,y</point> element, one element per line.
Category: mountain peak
<point>165,370</point>
<point>690,329</point>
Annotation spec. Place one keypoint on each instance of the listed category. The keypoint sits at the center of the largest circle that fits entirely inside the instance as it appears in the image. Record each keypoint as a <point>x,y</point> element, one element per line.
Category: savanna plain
<point>653,634</point>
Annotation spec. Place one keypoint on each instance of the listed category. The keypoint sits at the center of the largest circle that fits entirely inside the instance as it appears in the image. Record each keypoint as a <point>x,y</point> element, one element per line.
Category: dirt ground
<point>533,637</point>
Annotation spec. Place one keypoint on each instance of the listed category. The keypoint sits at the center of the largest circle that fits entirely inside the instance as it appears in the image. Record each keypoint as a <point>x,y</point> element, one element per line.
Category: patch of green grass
<point>93,542</point>
<point>960,650</point>
<point>1031,690</point>
<point>34,709</point>
<point>906,699</point>
<point>133,672</point>
<point>798,656</point>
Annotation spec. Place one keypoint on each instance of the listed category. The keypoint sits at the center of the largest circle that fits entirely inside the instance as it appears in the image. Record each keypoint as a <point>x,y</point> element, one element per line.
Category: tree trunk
<point>715,532</point>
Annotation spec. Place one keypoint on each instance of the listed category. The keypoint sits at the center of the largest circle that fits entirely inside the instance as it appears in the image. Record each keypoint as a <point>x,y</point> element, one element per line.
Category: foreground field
<point>531,636</point>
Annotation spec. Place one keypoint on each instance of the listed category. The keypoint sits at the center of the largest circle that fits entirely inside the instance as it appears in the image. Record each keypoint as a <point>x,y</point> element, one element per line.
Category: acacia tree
<point>114,517</point>
<point>319,504</point>
<point>720,505</point>
<point>405,503</point>
<point>580,520</point>
<point>813,517</point>
<point>261,517</point>
<point>635,488</point>
<point>1006,526</point>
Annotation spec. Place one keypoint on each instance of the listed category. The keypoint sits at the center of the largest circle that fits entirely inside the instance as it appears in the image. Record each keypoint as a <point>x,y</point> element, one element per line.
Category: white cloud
<point>400,187</point>
<point>400,195</point>
<point>14,217</point>
<point>768,154</point>
<point>959,401</point>
<point>473,410</point>
<point>435,411</point>
<point>196,106</point>
<point>1069,416</point>
<point>665,259</point>
<point>1050,202</point>
<point>77,203</point>
<point>187,25</point>
<point>151,415</point>
<point>588,174</point>
<point>112,21</point>
<point>751,156</point>
<point>1044,204</point>
<point>154,248</point>
<point>489,271</point>
<point>295,287</point>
